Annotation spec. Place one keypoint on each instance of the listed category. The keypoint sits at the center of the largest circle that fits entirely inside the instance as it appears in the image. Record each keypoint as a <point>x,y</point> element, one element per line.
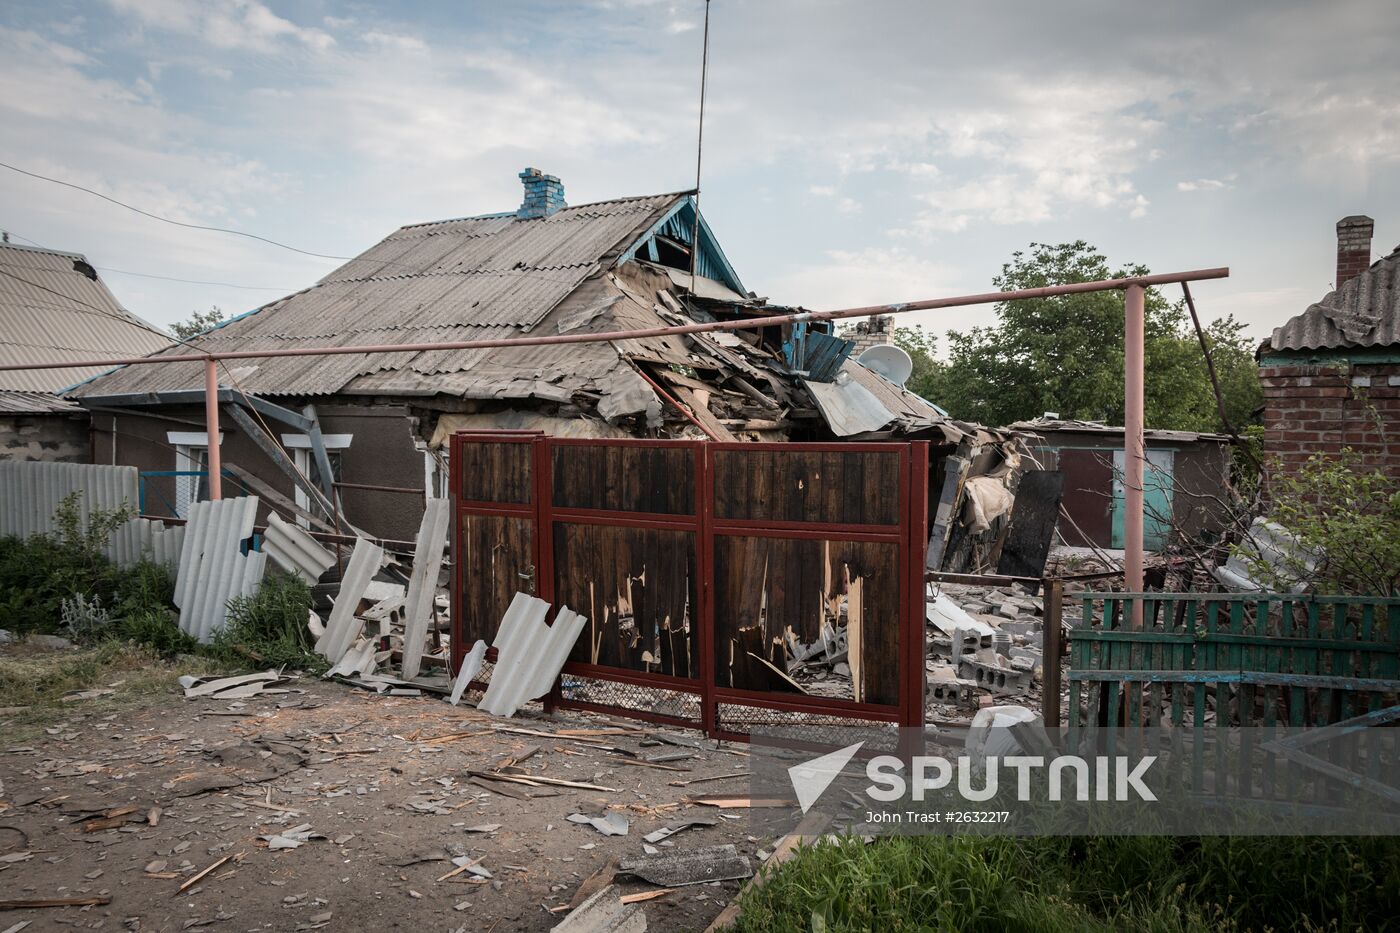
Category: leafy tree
<point>1065,353</point>
<point>198,323</point>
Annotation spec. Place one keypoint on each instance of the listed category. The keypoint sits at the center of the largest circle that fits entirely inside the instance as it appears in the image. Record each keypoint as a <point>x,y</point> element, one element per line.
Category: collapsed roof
<point>608,266</point>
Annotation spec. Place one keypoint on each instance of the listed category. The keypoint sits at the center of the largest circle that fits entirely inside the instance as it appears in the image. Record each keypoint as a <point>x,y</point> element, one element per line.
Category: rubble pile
<point>985,644</point>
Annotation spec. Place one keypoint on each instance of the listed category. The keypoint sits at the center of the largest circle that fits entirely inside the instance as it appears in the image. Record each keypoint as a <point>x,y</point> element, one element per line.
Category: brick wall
<point>877,331</point>
<point>1320,409</point>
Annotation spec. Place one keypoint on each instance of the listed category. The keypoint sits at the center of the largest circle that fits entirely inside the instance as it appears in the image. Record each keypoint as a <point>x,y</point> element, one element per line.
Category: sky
<point>854,153</point>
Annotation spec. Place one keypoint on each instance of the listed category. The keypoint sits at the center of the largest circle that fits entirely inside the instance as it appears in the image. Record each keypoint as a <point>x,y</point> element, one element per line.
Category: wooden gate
<point>703,568</point>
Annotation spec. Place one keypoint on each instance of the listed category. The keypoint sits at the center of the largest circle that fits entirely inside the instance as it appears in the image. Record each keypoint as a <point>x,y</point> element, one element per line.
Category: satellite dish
<point>889,362</point>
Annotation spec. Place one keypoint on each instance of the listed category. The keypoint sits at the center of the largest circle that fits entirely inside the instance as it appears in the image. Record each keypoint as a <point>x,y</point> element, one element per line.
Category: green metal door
<point>1157,487</point>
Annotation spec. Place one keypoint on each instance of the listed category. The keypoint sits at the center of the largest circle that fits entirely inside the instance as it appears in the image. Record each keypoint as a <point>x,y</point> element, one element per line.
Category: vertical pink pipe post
<point>1133,445</point>
<point>211,424</point>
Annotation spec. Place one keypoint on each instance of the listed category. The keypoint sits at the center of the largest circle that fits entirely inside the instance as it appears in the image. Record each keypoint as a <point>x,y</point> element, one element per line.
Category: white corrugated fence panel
<point>213,568</point>
<point>529,653</point>
<point>295,551</point>
<point>422,583</point>
<point>31,492</point>
<point>143,539</point>
<point>344,627</point>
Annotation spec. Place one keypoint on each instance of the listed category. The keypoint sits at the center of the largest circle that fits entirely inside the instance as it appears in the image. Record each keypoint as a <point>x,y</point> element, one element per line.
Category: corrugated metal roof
<point>1041,425</point>
<point>473,278</point>
<point>50,312</point>
<point>13,402</point>
<point>1364,312</point>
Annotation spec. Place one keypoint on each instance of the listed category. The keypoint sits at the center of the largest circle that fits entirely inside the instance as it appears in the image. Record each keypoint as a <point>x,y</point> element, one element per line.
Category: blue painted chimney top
<point>544,194</point>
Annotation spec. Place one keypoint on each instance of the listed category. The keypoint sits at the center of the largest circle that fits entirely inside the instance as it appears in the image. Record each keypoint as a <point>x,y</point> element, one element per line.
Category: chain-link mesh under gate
<point>708,572</point>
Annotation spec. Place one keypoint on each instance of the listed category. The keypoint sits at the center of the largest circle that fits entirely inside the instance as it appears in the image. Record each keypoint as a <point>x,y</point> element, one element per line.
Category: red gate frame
<point>910,535</point>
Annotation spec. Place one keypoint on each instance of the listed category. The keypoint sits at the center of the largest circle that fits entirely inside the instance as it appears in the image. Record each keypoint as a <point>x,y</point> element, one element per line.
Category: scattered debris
<point>196,878</point>
<point>33,903</point>
<point>666,832</point>
<point>291,838</point>
<point>229,687</point>
<point>611,824</point>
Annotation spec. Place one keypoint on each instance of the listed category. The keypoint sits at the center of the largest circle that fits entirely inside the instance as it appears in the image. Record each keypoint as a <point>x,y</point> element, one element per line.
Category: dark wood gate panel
<point>625,533</point>
<point>699,567</point>
<point>494,552</point>
<point>812,543</point>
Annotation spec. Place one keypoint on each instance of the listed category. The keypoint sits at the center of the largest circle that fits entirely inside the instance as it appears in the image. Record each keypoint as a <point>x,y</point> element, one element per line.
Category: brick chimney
<point>1353,246</point>
<point>544,194</point>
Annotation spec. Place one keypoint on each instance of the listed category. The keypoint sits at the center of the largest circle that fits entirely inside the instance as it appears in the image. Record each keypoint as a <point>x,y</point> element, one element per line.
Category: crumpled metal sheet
<point>848,407</point>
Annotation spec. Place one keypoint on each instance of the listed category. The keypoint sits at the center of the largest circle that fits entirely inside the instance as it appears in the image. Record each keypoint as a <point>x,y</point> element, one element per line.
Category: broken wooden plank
<point>535,779</point>
<point>35,902</point>
<point>206,871</point>
<point>706,780</point>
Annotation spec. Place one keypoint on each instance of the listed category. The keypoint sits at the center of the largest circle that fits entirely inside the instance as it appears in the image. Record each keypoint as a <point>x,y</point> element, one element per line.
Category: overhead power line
<point>171,278</point>
<point>178,223</point>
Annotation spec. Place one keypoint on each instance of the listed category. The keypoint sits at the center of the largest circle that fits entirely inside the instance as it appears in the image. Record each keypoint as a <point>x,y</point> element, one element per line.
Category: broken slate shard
<point>611,824</point>
<point>604,911</point>
<point>697,866</point>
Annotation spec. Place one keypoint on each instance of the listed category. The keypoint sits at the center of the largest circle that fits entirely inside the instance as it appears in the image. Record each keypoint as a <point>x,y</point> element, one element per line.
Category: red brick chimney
<point>1353,246</point>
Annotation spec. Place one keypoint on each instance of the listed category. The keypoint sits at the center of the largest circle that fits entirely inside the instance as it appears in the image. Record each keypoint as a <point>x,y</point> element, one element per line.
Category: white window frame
<point>186,443</point>
<point>303,457</point>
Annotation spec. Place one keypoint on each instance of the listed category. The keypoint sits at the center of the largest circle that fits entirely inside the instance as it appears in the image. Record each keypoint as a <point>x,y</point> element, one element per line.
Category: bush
<point>38,574</point>
<point>65,582</point>
<point>1347,514</point>
<point>269,627</point>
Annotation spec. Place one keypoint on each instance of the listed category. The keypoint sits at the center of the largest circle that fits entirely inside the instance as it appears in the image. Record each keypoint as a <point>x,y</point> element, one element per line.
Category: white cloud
<point>858,277</point>
<point>395,41</point>
<point>225,24</point>
<point>822,191</point>
<point>1203,184</point>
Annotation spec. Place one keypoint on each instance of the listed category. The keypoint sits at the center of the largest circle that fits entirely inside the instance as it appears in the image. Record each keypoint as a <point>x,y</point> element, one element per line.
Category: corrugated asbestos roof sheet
<point>1364,312</point>
<point>50,312</point>
<point>14,402</point>
<point>474,278</point>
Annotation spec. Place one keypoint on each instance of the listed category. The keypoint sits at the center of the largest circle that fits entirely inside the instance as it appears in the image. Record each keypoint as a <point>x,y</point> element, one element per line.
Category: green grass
<point>1168,884</point>
<point>34,682</point>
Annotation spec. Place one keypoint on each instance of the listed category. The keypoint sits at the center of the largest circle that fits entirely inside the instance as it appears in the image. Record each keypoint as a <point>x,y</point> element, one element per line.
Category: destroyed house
<point>383,420</point>
<point>1331,374</point>
<point>55,308</point>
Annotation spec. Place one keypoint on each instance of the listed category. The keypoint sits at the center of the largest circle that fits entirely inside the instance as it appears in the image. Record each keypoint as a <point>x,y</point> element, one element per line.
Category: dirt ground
<point>132,804</point>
